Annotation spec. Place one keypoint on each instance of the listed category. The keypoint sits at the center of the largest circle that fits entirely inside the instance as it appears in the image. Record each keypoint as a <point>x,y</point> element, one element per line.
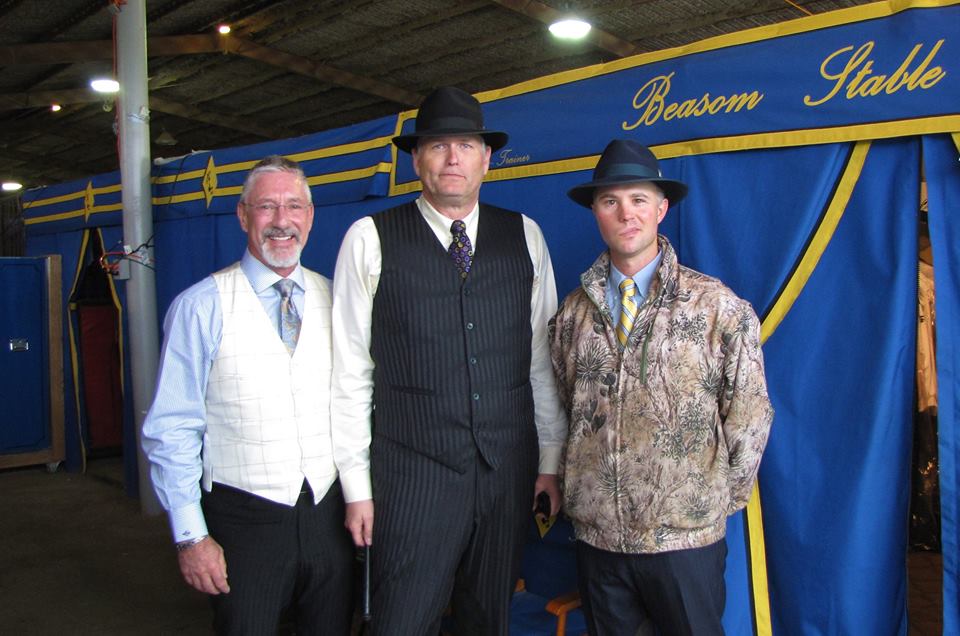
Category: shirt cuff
<point>187,522</point>
<point>550,459</point>
<point>356,486</point>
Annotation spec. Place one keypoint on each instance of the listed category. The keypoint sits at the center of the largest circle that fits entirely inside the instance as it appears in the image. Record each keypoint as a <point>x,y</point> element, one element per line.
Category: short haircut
<point>274,163</point>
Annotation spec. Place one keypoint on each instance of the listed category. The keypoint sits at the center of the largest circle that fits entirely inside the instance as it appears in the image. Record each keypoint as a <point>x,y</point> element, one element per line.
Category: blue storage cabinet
<point>31,362</point>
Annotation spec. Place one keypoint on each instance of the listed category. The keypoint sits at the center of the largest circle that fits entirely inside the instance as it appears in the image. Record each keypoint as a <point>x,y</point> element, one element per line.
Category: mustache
<point>275,232</point>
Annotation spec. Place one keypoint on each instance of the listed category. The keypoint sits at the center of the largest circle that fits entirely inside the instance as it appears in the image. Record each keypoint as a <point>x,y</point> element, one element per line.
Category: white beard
<point>278,260</point>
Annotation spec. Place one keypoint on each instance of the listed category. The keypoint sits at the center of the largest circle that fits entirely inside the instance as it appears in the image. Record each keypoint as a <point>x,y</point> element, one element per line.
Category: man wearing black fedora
<point>445,413</point>
<point>661,374</point>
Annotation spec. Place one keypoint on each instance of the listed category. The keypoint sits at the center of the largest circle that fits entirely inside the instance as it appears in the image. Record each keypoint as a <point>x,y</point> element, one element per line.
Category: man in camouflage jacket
<point>668,422</point>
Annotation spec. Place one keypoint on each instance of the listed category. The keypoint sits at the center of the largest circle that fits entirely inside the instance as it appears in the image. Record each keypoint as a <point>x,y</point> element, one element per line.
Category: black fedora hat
<point>449,111</point>
<point>626,161</point>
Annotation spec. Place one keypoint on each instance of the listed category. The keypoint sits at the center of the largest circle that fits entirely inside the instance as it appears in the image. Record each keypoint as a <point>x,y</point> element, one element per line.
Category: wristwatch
<point>189,543</point>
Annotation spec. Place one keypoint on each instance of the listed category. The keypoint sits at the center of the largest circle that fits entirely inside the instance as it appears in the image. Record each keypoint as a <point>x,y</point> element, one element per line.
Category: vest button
<point>473,360</point>
<point>476,396</point>
<point>470,325</point>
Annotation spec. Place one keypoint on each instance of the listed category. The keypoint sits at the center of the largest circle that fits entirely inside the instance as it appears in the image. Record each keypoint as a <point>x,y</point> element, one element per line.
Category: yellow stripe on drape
<point>791,291</point>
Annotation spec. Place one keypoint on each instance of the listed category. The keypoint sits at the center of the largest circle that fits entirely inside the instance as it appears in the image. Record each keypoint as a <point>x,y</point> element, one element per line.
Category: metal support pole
<point>134,130</point>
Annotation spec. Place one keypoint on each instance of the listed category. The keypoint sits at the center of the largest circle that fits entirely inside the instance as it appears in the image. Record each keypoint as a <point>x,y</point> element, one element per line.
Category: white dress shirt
<point>174,427</point>
<point>354,287</point>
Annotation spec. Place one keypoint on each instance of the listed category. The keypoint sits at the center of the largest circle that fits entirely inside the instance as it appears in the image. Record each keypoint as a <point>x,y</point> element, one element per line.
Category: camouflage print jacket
<point>665,440</point>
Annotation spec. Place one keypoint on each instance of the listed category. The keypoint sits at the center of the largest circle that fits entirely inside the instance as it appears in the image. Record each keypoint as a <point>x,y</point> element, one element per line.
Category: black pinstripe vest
<point>452,359</point>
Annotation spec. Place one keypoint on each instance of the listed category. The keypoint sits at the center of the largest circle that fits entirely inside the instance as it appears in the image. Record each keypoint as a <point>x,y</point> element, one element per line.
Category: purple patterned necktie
<point>460,249</point>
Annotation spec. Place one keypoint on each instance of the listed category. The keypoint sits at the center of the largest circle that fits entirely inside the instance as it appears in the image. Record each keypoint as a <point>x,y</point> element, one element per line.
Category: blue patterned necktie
<point>460,249</point>
<point>289,318</point>
<point>628,311</point>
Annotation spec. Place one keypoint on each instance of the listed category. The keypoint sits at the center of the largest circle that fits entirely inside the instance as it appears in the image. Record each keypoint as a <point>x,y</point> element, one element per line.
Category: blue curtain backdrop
<point>840,368</point>
<point>808,211</point>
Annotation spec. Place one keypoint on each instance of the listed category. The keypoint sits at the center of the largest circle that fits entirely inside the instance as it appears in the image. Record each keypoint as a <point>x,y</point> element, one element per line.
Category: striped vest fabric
<point>452,357</point>
<point>268,413</point>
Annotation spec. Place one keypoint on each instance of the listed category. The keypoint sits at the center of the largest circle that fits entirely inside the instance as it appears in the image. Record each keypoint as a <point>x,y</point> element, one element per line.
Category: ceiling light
<point>570,28</point>
<point>223,29</point>
<point>11,186</point>
<point>105,85</point>
<point>165,139</point>
<point>55,107</point>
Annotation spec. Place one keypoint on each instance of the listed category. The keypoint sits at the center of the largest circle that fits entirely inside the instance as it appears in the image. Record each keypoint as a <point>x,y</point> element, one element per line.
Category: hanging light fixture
<point>105,85</point>
<point>165,139</point>
<point>570,28</point>
<point>11,186</point>
<point>223,29</point>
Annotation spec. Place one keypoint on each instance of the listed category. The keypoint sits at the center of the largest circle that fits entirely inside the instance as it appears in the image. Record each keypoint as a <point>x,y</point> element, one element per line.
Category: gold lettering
<point>871,87</point>
<point>650,97</point>
<point>841,77</point>
<point>717,105</point>
<point>929,78</point>
<point>859,80</point>
<point>651,100</point>
<point>855,82</point>
<point>736,103</point>
<point>899,76</point>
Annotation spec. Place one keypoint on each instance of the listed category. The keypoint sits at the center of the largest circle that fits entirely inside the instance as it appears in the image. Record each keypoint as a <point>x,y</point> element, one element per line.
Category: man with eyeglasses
<point>238,436</point>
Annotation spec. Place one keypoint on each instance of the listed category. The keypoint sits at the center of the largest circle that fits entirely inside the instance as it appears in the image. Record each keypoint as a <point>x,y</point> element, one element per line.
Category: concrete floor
<point>79,558</point>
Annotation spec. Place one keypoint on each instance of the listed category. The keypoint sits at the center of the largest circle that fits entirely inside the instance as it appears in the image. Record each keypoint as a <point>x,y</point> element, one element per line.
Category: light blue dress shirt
<point>174,427</point>
<point>641,279</point>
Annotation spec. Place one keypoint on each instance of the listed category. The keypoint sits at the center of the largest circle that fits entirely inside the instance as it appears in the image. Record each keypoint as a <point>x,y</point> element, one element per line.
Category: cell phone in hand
<point>543,505</point>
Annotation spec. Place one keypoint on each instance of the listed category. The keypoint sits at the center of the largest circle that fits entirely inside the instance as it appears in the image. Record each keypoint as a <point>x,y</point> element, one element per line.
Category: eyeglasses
<point>273,208</point>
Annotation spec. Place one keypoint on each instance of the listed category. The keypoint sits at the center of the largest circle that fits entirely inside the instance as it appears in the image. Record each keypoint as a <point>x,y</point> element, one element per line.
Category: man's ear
<point>242,217</point>
<point>413,157</point>
<point>662,209</point>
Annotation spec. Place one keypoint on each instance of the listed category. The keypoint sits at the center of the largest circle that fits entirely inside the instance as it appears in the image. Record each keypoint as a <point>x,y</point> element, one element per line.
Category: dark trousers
<point>681,593</point>
<point>441,537</point>
<point>281,558</point>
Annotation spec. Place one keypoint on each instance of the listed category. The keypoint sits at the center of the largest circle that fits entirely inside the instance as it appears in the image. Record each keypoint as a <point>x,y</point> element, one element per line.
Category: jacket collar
<point>594,280</point>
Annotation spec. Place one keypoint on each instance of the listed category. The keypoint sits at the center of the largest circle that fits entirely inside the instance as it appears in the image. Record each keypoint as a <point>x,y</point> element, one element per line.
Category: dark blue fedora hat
<point>626,161</point>
<point>449,111</point>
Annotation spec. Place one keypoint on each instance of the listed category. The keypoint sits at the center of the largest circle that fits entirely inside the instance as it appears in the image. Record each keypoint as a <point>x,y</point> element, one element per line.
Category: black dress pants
<point>282,558</point>
<point>441,537</point>
<point>681,593</point>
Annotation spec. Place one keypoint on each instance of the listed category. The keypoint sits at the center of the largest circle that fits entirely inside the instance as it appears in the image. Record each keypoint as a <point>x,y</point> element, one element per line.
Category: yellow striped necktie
<point>628,311</point>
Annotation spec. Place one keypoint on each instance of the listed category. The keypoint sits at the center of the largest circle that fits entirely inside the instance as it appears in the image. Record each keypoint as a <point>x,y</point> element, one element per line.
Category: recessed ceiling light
<point>11,186</point>
<point>105,85</point>
<point>55,107</point>
<point>570,28</point>
<point>223,29</point>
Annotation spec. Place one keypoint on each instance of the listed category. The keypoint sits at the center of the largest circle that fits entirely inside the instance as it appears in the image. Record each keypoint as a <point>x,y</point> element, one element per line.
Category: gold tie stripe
<point>628,311</point>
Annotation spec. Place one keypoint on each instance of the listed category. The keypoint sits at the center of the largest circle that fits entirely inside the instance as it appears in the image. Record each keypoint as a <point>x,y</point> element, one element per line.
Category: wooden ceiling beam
<point>68,52</point>
<point>322,72</point>
<point>51,165</point>
<point>232,122</point>
<point>43,99</point>
<point>91,50</point>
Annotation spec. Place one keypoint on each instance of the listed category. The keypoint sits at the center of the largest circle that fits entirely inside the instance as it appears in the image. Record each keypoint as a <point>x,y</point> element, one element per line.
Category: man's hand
<point>204,568</point>
<point>360,521</point>
<point>550,485</point>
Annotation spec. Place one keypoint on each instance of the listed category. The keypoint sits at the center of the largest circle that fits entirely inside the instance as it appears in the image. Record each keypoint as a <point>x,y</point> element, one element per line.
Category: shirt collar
<point>641,279</point>
<point>261,277</point>
<point>440,224</point>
